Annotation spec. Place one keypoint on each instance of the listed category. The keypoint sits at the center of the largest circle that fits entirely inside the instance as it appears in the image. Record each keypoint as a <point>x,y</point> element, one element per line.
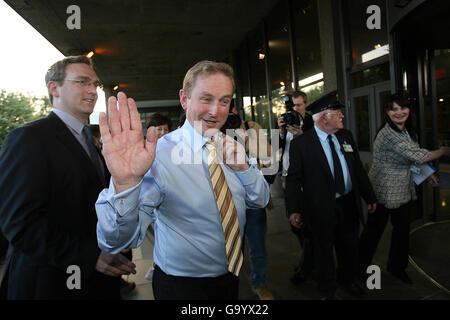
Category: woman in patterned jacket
<point>396,154</point>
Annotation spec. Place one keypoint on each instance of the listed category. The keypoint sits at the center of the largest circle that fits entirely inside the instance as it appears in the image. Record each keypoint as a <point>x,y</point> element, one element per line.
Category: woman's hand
<point>433,181</point>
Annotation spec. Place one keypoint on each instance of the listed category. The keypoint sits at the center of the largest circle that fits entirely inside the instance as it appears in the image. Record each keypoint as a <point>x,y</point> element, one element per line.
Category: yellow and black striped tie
<point>228,214</point>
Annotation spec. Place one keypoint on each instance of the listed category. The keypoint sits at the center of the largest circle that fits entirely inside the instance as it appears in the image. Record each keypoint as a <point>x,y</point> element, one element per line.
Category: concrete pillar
<point>327,45</point>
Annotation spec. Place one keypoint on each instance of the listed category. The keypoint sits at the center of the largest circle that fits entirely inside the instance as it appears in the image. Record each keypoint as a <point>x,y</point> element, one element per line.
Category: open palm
<point>127,154</point>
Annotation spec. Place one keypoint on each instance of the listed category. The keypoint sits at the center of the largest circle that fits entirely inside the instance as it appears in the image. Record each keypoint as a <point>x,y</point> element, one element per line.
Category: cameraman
<point>299,104</point>
<point>288,132</point>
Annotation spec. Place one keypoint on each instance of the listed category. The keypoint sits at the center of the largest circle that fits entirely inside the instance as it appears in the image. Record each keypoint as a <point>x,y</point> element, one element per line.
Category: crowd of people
<point>79,197</point>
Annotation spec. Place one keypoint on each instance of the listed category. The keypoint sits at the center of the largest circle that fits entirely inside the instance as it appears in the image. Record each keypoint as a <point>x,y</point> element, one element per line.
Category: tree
<point>17,109</point>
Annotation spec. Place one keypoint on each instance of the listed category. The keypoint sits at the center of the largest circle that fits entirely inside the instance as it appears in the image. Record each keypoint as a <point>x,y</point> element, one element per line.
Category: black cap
<point>328,101</point>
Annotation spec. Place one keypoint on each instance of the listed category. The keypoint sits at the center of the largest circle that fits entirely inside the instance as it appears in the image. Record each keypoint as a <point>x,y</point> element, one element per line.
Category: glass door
<point>366,114</point>
<point>442,100</point>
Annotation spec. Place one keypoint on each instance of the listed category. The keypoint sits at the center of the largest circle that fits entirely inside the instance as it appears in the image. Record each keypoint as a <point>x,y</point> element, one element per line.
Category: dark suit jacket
<point>48,189</point>
<point>310,184</point>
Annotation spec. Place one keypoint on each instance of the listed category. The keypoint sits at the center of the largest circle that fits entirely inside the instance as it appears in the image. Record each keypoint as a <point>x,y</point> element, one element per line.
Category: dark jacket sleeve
<point>308,123</point>
<point>27,195</point>
<point>294,179</point>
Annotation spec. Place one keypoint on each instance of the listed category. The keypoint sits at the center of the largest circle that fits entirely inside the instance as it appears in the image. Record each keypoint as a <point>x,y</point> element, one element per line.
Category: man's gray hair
<point>316,117</point>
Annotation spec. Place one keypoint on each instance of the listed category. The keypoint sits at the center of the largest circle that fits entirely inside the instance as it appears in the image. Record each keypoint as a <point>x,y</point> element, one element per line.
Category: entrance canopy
<point>145,47</point>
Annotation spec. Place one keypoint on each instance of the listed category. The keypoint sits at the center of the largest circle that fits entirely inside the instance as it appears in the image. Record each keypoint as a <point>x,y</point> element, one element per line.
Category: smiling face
<point>70,96</point>
<point>209,102</point>
<point>398,115</point>
<point>162,130</point>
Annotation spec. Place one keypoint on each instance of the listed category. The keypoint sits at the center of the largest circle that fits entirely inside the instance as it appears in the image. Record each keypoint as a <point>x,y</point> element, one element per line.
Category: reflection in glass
<point>442,65</point>
<point>362,122</point>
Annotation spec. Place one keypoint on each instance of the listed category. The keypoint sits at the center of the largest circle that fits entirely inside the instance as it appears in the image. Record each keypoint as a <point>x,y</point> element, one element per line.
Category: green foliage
<point>17,109</point>
<point>315,93</point>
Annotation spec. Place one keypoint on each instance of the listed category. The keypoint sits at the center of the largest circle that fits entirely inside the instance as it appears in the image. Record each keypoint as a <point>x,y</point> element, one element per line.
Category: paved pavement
<point>283,254</point>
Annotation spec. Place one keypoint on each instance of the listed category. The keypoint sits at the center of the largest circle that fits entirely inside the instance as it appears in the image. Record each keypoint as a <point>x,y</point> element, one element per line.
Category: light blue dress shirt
<point>75,126</point>
<point>323,137</point>
<point>177,194</point>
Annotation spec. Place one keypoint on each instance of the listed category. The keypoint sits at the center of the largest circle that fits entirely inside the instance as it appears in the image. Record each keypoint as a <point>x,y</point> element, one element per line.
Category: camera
<point>291,117</point>
<point>233,121</point>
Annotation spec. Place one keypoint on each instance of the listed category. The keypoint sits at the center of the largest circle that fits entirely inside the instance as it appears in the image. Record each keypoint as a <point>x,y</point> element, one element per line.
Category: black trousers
<point>167,287</point>
<point>304,237</point>
<point>306,263</point>
<point>340,234</point>
<point>376,223</point>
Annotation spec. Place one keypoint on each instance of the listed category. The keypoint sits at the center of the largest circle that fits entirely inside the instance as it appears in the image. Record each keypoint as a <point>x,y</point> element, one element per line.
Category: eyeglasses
<point>338,113</point>
<point>87,83</point>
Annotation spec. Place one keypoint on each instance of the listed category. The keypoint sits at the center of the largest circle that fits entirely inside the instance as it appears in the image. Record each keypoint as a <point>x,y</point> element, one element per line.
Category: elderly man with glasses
<point>325,182</point>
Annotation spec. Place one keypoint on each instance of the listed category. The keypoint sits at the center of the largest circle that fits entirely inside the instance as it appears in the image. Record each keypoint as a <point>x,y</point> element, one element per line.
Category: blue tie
<point>93,153</point>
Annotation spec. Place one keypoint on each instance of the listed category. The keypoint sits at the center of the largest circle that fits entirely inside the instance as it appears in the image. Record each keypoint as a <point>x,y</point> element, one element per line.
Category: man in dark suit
<point>298,103</point>
<point>50,177</point>
<point>324,184</point>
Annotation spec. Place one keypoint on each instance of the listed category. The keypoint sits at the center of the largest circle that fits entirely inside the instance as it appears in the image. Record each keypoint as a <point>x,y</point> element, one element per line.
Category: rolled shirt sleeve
<point>257,190</point>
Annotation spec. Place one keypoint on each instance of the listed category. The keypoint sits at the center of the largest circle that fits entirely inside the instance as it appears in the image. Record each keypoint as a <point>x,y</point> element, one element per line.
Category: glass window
<point>257,65</point>
<point>308,58</point>
<point>244,80</point>
<point>258,72</point>
<point>366,44</point>
<point>362,122</point>
<point>371,75</point>
<point>279,58</point>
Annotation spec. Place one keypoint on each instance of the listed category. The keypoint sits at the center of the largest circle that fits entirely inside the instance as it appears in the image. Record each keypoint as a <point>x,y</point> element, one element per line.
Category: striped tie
<point>228,214</point>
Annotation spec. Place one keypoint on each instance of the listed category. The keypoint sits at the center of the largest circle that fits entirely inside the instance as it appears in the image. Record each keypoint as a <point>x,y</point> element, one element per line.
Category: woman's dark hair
<point>157,119</point>
<point>403,101</point>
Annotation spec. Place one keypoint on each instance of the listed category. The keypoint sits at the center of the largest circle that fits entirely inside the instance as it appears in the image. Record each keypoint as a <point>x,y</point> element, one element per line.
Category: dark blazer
<point>48,189</point>
<point>310,184</point>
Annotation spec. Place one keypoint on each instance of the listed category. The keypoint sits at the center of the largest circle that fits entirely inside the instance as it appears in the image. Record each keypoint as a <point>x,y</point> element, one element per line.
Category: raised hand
<point>127,154</point>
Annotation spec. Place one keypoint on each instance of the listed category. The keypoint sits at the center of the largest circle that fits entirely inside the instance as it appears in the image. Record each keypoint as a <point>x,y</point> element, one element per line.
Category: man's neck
<point>325,129</point>
<point>81,117</point>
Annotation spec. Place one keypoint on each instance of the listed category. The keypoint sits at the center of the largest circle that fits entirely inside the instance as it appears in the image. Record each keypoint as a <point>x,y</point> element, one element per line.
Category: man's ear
<point>183,99</point>
<point>53,89</point>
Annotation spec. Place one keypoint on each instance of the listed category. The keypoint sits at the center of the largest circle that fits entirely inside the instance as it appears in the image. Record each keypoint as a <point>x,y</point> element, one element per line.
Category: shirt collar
<point>193,138</point>
<point>69,120</point>
<point>321,134</point>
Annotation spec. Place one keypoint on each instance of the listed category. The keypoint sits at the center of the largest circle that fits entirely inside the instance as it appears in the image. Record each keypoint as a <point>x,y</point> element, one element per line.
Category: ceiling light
<point>282,83</point>
<point>90,54</point>
<point>441,100</point>
<point>311,79</point>
<point>261,56</point>
<point>116,87</point>
<point>376,53</point>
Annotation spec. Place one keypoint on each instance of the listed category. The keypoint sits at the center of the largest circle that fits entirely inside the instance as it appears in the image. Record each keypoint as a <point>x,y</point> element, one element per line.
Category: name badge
<point>347,147</point>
